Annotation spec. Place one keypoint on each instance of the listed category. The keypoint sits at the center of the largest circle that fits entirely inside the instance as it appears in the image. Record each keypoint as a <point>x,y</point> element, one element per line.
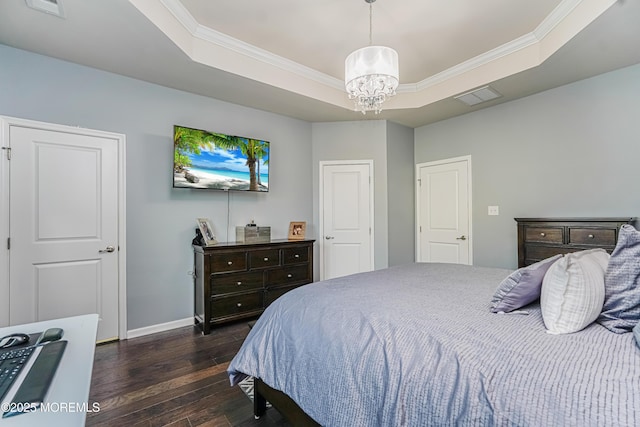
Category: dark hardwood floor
<point>175,378</point>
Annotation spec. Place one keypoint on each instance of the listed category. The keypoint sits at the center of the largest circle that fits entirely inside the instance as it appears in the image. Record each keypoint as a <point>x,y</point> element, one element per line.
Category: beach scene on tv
<point>217,161</point>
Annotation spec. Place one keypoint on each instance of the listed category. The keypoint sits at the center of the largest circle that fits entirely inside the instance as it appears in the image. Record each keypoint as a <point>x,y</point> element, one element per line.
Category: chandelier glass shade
<point>371,73</point>
<point>371,76</point>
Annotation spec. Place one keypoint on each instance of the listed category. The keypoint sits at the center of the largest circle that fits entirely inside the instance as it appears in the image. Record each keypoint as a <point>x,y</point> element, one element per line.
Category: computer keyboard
<point>33,388</point>
<point>11,363</point>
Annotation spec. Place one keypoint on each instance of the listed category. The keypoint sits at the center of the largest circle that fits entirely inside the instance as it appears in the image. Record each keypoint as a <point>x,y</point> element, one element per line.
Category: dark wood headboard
<point>540,238</point>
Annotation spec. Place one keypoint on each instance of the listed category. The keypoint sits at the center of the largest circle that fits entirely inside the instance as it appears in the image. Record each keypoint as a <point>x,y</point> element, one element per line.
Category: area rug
<point>246,385</point>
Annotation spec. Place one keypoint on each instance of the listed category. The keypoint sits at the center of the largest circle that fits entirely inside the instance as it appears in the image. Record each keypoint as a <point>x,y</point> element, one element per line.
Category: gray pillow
<point>621,310</point>
<point>521,287</point>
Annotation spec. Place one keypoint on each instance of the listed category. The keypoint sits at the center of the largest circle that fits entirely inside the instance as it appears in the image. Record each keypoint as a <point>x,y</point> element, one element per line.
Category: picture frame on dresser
<point>204,225</point>
<point>297,230</point>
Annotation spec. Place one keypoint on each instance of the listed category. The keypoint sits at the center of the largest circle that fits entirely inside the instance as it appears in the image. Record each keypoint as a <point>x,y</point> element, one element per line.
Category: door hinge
<point>419,182</point>
<point>8,243</point>
<point>8,150</point>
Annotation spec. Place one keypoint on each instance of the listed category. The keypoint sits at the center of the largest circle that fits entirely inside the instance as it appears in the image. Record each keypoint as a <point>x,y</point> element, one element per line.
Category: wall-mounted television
<point>217,161</point>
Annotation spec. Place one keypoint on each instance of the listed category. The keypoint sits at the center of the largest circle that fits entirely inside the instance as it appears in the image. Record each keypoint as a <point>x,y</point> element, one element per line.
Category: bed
<point>419,345</point>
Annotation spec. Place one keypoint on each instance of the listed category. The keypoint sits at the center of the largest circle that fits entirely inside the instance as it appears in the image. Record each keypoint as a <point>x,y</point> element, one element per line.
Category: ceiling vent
<point>478,96</point>
<point>52,7</point>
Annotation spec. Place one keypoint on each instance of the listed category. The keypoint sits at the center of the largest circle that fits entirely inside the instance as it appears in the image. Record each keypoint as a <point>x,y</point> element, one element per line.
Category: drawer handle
<point>296,256</point>
<point>543,234</point>
<point>266,259</point>
<point>591,236</point>
<point>289,276</point>
<point>229,262</point>
<point>239,283</point>
<point>239,304</point>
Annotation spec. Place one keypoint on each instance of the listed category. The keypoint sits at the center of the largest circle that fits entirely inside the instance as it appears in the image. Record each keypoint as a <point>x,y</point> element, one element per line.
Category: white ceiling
<point>287,56</point>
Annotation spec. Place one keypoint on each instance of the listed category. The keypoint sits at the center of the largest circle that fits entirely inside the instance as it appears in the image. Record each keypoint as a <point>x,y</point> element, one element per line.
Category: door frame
<point>321,239</point>
<point>5,124</point>
<point>466,159</point>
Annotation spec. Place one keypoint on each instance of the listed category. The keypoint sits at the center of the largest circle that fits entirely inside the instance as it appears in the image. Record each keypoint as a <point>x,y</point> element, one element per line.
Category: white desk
<point>68,396</point>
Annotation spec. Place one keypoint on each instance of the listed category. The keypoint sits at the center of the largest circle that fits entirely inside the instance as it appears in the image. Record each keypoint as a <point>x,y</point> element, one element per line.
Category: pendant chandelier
<point>371,73</point>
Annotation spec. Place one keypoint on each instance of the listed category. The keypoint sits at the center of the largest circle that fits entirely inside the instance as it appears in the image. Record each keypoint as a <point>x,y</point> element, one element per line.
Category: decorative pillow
<point>521,287</point>
<point>573,291</point>
<point>621,311</point>
<point>636,333</point>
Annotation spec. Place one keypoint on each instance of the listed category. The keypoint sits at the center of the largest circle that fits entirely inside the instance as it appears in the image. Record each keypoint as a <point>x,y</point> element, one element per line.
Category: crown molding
<point>181,13</point>
<point>531,49</point>
<point>226,42</point>
<point>486,58</point>
<point>555,18</point>
<point>558,15</point>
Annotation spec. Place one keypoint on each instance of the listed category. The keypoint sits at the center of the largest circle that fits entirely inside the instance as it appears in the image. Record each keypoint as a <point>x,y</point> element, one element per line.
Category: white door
<point>443,211</point>
<point>346,208</point>
<point>64,226</point>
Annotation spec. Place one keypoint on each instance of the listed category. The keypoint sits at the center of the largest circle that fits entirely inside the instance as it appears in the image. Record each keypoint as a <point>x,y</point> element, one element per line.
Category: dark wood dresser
<point>540,238</point>
<point>239,280</point>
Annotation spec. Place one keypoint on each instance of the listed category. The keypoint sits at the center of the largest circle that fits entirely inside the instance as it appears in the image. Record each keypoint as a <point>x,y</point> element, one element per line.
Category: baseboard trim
<point>161,327</point>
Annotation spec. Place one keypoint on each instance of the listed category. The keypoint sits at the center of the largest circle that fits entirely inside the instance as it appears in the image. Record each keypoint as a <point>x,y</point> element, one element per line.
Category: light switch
<point>494,210</point>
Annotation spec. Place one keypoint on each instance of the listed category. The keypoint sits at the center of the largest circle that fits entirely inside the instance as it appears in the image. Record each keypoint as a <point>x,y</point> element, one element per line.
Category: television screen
<point>217,161</point>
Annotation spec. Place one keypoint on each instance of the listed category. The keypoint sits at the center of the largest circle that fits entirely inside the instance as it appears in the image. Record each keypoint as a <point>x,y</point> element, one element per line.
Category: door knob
<point>329,237</point>
<point>107,249</point>
<point>461,238</point>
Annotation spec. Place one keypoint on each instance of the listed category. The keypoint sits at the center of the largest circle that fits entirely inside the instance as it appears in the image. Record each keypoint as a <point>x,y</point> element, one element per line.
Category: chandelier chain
<point>371,73</point>
<point>371,24</point>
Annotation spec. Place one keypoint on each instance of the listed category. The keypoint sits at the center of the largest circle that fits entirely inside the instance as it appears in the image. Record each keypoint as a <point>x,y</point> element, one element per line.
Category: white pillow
<point>573,291</point>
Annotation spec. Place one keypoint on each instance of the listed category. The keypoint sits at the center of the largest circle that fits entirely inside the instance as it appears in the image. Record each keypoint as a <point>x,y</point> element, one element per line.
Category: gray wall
<point>160,219</point>
<point>390,146</point>
<point>362,140</point>
<point>401,194</point>
<point>570,151</point>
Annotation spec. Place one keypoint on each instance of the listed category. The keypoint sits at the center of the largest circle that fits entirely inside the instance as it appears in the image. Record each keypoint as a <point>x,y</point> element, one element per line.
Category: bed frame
<point>262,394</point>
<point>549,236</point>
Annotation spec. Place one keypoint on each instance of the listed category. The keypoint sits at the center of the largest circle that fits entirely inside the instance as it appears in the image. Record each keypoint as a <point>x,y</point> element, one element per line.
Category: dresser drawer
<point>540,238</point>
<point>592,236</point>
<point>273,294</point>
<point>235,282</point>
<point>264,258</point>
<point>226,306</point>
<point>224,262</point>
<point>295,255</point>
<point>285,275</point>
<point>543,234</point>
<point>535,253</point>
